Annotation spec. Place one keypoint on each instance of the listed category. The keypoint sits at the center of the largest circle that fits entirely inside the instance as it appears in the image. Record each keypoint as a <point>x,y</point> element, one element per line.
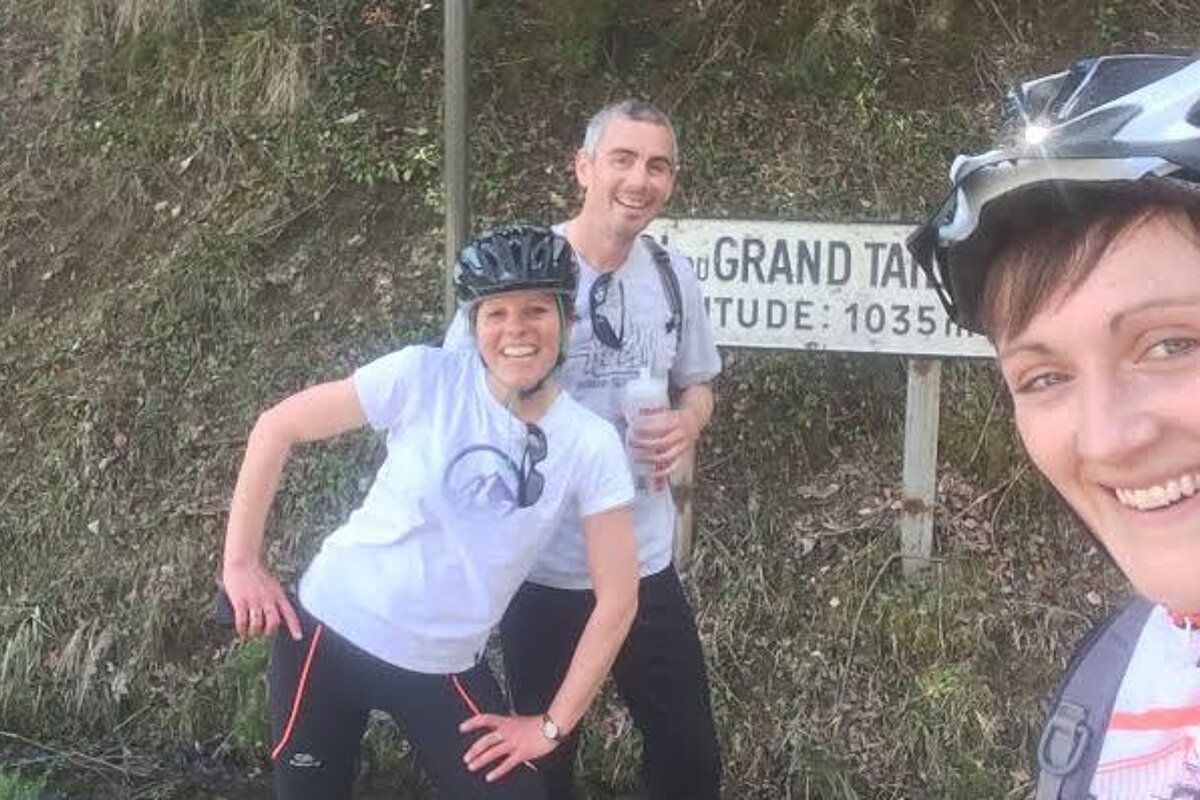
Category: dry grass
<point>251,71</point>
<point>252,58</point>
<point>134,17</point>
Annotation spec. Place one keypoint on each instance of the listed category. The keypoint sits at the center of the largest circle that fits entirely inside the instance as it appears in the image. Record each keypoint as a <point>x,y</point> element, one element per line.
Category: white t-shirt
<point>595,374</point>
<point>423,569</point>
<point>1152,744</point>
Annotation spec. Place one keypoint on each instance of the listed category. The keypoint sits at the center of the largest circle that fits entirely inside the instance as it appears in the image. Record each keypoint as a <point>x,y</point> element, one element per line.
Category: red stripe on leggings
<point>291,723</point>
<point>466,698</point>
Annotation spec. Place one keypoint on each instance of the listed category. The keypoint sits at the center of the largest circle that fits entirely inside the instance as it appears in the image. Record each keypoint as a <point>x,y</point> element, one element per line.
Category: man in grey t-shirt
<point>627,323</point>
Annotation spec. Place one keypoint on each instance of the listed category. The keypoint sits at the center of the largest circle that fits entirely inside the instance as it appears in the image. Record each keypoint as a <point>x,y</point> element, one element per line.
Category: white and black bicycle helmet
<point>1105,122</point>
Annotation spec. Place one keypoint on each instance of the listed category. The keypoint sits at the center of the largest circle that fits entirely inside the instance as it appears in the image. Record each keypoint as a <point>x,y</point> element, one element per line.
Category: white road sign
<point>820,286</point>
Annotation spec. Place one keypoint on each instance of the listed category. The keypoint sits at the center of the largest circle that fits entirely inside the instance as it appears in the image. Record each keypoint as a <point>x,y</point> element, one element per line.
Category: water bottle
<point>645,396</point>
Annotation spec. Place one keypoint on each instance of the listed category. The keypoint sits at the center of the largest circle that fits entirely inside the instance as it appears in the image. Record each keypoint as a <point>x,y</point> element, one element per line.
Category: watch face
<point>549,728</point>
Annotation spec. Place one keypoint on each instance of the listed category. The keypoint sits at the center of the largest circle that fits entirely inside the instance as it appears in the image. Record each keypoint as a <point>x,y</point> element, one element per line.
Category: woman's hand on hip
<point>508,742</point>
<point>259,603</point>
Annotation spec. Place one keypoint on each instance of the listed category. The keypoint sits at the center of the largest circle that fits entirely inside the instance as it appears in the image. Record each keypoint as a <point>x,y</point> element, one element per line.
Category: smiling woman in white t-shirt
<point>485,458</point>
<point>1076,250</point>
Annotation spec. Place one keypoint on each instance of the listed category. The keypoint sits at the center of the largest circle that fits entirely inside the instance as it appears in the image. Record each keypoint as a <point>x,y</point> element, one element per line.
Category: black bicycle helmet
<point>1107,121</point>
<point>513,258</point>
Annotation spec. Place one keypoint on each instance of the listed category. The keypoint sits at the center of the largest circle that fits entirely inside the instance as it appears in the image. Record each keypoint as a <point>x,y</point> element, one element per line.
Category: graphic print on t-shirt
<point>1152,743</point>
<point>1159,760</point>
<point>484,481</point>
<point>593,364</point>
<point>599,364</point>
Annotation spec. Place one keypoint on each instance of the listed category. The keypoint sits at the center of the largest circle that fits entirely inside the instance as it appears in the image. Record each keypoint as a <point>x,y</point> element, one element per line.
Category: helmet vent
<point>514,258</point>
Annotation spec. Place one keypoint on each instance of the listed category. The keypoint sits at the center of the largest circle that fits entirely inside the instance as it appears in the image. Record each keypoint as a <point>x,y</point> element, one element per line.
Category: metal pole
<point>920,463</point>
<point>454,125</point>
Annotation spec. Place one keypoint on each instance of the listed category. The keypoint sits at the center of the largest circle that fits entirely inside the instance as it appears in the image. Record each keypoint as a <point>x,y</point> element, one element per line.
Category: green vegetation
<point>15,787</point>
<point>206,204</point>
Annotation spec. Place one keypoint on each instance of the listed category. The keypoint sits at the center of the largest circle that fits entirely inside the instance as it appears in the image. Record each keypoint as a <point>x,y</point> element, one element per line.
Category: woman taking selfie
<point>1076,249</point>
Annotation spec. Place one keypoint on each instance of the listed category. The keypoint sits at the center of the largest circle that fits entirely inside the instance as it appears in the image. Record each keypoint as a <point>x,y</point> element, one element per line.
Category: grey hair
<point>631,109</point>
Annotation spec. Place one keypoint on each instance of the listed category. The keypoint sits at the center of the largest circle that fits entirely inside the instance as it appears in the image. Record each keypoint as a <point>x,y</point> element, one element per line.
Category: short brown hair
<point>634,110</point>
<point>1049,239</point>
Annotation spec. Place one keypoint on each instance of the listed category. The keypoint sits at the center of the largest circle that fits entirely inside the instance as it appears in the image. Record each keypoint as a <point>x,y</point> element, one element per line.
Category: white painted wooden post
<point>683,487</point>
<point>920,463</point>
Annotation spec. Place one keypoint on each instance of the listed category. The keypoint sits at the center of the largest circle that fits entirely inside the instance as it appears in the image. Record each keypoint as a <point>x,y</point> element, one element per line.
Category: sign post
<point>455,119</point>
<point>683,482</point>
<point>920,463</point>
<point>841,287</point>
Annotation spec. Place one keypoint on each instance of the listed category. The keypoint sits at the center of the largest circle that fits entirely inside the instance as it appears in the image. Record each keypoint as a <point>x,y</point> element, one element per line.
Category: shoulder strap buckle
<point>1064,739</point>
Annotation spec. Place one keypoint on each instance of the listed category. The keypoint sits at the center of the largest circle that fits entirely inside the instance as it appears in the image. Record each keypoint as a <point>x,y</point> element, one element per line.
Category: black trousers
<point>659,673</point>
<point>321,690</point>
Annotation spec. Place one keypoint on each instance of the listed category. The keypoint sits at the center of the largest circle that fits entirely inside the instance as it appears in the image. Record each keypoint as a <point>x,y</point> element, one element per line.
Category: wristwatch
<point>549,728</point>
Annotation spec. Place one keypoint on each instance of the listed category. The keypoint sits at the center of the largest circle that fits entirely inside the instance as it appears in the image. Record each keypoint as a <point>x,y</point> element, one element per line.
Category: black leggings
<point>321,691</point>
<point>659,674</point>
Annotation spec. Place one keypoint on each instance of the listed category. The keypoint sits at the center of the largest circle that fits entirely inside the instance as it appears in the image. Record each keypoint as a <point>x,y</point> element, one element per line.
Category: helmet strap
<point>564,333</point>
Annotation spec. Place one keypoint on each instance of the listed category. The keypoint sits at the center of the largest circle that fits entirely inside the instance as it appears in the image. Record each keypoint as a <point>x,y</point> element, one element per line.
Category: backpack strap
<point>670,284</point>
<point>1069,749</point>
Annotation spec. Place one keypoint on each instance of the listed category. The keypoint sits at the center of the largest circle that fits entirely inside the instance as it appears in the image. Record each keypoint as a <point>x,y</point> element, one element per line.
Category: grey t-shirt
<point>636,308</point>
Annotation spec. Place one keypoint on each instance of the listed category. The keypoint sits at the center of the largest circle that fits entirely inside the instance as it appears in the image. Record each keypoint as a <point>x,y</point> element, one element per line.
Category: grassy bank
<point>207,205</point>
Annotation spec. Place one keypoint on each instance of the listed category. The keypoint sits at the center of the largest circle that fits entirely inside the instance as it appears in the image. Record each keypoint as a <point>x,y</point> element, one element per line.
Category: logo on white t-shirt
<point>484,480</point>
